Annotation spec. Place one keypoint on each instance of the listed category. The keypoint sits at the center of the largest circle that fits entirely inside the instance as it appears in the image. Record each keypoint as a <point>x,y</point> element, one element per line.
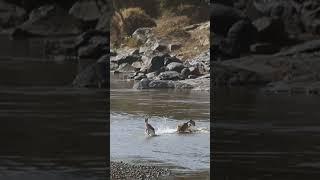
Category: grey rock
<point>161,84</point>
<point>11,15</point>
<point>94,75</point>
<point>270,29</point>
<point>142,34</point>
<point>49,20</point>
<point>86,10</point>
<point>185,72</point>
<point>264,48</point>
<point>169,75</point>
<point>306,47</point>
<point>175,66</point>
<point>153,62</point>
<point>142,84</point>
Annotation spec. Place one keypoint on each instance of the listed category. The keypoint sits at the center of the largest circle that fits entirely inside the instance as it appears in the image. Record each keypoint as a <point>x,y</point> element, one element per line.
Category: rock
<point>223,17</point>
<point>270,29</point>
<point>124,58</point>
<point>86,10</point>
<point>103,23</point>
<point>83,39</point>
<point>173,47</point>
<point>192,77</point>
<point>151,75</point>
<point>286,10</point>
<point>11,15</point>
<point>169,75</point>
<point>175,66</point>
<point>243,34</point>
<point>125,67</point>
<point>140,76</point>
<point>306,47</point>
<point>142,34</point>
<point>310,16</point>
<point>142,84</point>
<point>171,59</point>
<point>94,75</point>
<point>194,71</point>
<point>153,44</point>
<point>185,72</point>
<point>161,84</point>
<point>49,20</point>
<point>264,48</point>
<point>153,62</point>
<point>96,47</point>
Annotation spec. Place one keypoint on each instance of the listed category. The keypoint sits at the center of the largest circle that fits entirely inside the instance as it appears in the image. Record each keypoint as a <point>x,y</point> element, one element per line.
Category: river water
<point>49,130</point>
<point>167,108</point>
<point>260,136</point>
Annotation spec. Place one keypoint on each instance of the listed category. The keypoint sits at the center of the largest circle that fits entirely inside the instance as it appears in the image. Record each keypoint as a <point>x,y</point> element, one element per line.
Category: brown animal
<point>185,127</point>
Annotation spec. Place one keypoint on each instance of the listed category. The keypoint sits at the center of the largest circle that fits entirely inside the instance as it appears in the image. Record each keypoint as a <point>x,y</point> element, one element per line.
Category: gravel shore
<point>121,170</point>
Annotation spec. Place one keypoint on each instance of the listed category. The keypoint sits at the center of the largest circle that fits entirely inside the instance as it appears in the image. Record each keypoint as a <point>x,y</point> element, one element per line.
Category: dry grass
<point>171,27</point>
<point>193,42</point>
<point>133,18</point>
<point>198,42</point>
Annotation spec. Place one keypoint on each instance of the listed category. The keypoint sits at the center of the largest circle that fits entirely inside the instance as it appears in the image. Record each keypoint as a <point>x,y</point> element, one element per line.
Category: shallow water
<point>265,136</point>
<point>167,108</point>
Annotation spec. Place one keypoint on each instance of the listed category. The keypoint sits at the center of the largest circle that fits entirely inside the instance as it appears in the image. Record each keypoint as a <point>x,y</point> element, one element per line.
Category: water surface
<point>265,136</point>
<point>49,130</point>
<point>167,108</point>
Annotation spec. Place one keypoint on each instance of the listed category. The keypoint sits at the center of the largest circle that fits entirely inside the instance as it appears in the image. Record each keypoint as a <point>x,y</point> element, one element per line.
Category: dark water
<point>167,108</point>
<point>49,130</point>
<point>258,136</point>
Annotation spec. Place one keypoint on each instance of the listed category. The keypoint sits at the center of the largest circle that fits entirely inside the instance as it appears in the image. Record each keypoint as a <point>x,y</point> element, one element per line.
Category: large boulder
<point>86,10</point>
<point>169,75</point>
<point>223,17</point>
<point>94,75</point>
<point>270,29</point>
<point>153,62</point>
<point>49,20</point>
<point>142,34</point>
<point>96,47</point>
<point>287,10</point>
<point>11,15</point>
<point>239,38</point>
<point>175,66</point>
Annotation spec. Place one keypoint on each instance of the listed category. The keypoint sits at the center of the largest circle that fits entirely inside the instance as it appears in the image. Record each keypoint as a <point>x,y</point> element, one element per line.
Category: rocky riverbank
<point>156,64</point>
<point>273,44</point>
<point>121,170</point>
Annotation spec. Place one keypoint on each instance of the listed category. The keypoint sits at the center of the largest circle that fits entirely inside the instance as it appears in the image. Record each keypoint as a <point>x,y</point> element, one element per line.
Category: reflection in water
<point>168,108</point>
<point>49,130</point>
<point>266,136</point>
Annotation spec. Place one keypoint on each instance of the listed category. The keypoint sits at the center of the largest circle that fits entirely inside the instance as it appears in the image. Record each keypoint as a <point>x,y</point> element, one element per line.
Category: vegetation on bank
<point>167,19</point>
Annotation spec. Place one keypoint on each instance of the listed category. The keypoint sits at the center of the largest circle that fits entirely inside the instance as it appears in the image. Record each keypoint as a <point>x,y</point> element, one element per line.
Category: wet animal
<point>149,129</point>
<point>186,127</point>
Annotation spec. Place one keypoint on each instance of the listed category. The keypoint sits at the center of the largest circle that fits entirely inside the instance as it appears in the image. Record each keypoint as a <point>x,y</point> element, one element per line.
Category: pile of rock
<point>261,27</point>
<point>158,69</point>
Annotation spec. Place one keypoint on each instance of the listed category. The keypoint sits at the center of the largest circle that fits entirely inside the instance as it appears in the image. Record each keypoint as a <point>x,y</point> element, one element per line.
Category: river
<point>184,154</point>
<point>260,136</point>
<point>49,130</point>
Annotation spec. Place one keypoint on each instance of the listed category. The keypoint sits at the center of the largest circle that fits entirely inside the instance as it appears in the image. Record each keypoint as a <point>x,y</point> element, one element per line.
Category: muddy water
<point>167,108</point>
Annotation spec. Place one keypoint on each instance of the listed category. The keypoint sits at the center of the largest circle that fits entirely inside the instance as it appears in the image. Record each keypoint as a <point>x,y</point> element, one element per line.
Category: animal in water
<point>186,127</point>
<point>149,129</point>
